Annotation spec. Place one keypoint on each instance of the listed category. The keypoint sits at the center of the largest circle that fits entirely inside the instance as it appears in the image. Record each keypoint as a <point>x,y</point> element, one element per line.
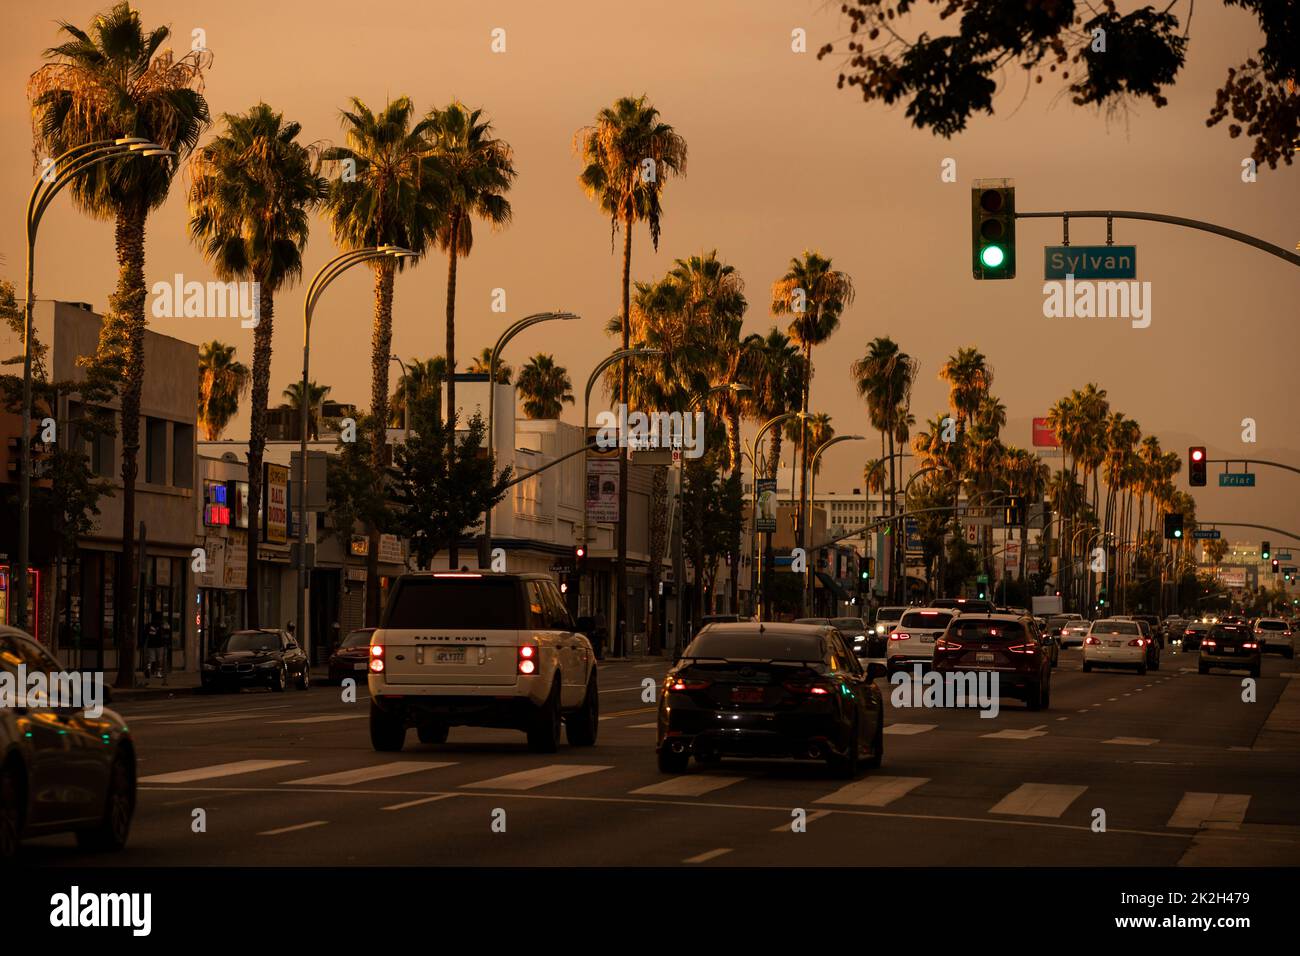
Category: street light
<point>812,502</point>
<point>485,548</point>
<point>753,511</point>
<point>79,159</point>
<point>327,274</point>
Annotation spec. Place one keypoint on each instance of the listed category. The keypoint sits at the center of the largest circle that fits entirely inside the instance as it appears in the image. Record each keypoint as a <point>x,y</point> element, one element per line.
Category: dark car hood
<point>243,657</point>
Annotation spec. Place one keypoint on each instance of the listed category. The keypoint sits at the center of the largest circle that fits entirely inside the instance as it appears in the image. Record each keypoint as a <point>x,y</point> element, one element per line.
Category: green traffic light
<point>992,256</point>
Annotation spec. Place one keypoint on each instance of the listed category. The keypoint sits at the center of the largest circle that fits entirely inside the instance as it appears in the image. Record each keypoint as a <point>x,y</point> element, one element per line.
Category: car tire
<point>1142,668</point>
<point>1034,699</point>
<point>278,681</point>
<point>847,767</point>
<point>304,681</point>
<point>1087,668</point>
<point>432,732</point>
<point>387,731</point>
<point>670,762</point>
<point>582,726</point>
<point>113,830</point>
<point>878,744</point>
<point>544,728</point>
<point>1047,693</point>
<point>11,799</point>
<point>1202,668</point>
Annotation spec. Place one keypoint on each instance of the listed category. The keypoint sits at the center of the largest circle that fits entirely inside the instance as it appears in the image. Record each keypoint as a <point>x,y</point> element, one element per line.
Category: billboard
<point>1044,437</point>
<point>765,519</point>
<point>277,504</point>
<point>602,489</point>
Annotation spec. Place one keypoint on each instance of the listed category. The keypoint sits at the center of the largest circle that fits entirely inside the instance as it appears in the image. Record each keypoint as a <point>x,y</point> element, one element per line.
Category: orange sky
<point>779,161</point>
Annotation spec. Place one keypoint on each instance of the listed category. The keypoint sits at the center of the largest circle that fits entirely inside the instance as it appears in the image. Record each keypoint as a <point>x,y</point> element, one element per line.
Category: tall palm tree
<point>111,80</point>
<point>422,377</point>
<point>315,399</point>
<point>391,191</point>
<point>482,365</point>
<point>479,170</point>
<point>816,295</point>
<point>545,387</point>
<point>774,371</point>
<point>969,378</point>
<point>251,195</point>
<point>627,156</point>
<point>223,381</point>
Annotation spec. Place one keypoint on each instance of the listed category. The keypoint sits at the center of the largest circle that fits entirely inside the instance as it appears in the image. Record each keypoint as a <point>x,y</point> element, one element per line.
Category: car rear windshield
<point>890,613</point>
<point>973,629</point>
<point>752,645</point>
<point>1272,626</point>
<point>356,639</point>
<point>934,620</point>
<point>476,604</point>
<point>1232,631</point>
<point>1116,627</point>
<point>848,624</point>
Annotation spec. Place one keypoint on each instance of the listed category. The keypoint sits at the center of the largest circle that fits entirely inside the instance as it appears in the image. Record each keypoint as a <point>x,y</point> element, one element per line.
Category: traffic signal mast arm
<point>1249,240</point>
<point>1251,461</point>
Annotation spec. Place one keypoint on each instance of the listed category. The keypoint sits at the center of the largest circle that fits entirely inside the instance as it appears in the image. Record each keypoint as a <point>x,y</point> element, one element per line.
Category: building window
<point>155,451</point>
<point>182,455</point>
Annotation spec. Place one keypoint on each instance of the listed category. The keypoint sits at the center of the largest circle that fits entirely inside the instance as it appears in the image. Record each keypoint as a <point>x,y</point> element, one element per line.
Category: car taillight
<point>1022,648</point>
<point>1188,633</point>
<point>376,658</point>
<point>1091,640</point>
<point>681,684</point>
<point>1206,642</point>
<point>1249,646</point>
<point>1137,642</point>
<point>795,687</point>
<point>943,645</point>
<point>898,636</point>
<point>527,659</point>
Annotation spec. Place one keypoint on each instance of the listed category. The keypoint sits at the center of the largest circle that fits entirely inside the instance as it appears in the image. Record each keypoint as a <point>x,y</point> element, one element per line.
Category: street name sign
<point>1237,480</point>
<point>1090,262</point>
<point>1208,534</point>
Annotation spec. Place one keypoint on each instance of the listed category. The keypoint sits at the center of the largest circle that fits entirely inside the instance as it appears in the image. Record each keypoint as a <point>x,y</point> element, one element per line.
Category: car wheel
<point>1087,668</point>
<point>582,726</point>
<point>1254,671</point>
<point>278,681</point>
<point>119,806</point>
<point>387,731</point>
<point>670,762</point>
<point>544,731</point>
<point>304,680</point>
<point>1203,668</point>
<point>1034,699</point>
<point>1047,693</point>
<point>878,744</point>
<point>432,732</point>
<point>846,767</point>
<point>10,811</point>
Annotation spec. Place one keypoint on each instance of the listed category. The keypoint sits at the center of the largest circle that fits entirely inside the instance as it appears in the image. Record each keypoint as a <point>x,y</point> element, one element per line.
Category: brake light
<point>1206,642</point>
<point>1188,633</point>
<point>897,636</point>
<point>1022,648</point>
<point>1091,640</point>
<point>681,684</point>
<point>819,690</point>
<point>1249,646</point>
<point>527,659</point>
<point>942,645</point>
<point>1138,642</point>
<point>376,658</point>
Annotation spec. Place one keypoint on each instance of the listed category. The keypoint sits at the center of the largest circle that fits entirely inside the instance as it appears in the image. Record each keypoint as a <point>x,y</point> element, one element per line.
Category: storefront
<point>34,599</point>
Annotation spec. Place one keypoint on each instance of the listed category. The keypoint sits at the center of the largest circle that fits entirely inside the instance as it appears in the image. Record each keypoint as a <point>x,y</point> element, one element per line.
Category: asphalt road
<point>1184,771</point>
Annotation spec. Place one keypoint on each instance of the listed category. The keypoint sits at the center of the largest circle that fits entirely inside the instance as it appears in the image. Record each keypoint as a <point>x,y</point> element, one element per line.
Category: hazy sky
<point>780,161</point>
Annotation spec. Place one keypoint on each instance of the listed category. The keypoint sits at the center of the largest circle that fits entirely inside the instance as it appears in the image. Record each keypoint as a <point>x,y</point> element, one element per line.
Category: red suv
<point>1009,645</point>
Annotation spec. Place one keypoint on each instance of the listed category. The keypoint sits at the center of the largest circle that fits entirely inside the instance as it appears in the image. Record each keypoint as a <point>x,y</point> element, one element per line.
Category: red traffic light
<point>1196,462</point>
<point>580,551</point>
<point>1198,454</point>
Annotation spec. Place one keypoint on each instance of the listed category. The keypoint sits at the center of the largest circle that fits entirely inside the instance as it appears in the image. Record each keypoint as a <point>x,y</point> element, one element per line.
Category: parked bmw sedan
<point>61,769</point>
<point>352,657</point>
<point>262,658</point>
<point>771,690</point>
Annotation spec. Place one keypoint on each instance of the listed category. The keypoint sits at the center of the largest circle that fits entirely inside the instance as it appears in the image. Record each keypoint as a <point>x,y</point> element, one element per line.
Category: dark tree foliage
<point>355,493</point>
<point>945,79</point>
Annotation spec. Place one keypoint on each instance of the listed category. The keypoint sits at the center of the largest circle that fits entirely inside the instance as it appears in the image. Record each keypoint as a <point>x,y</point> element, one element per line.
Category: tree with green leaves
<point>482,365</point>
<point>223,381</point>
<point>420,377</point>
<point>315,399</point>
<point>544,386</point>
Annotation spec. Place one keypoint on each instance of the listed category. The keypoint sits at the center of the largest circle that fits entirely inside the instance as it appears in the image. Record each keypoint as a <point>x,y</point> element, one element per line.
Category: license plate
<point>983,658</point>
<point>1228,650</point>
<point>444,655</point>
<point>927,639</point>
<point>747,695</point>
<point>1112,643</point>
<point>359,667</point>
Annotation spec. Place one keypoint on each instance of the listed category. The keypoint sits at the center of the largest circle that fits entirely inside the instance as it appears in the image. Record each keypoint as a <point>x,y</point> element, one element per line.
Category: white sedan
<point>1114,643</point>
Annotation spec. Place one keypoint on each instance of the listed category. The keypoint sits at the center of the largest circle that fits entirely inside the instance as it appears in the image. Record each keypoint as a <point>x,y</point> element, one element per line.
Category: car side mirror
<point>876,670</point>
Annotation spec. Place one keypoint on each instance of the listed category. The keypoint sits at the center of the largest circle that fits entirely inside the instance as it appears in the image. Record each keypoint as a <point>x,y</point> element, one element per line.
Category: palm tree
<point>112,80</point>
<point>315,398</point>
<point>482,365</point>
<point>627,156</point>
<point>774,371</point>
<point>223,381</point>
<point>422,377</point>
<point>816,295</point>
<point>478,169</point>
<point>545,387</point>
<point>251,194</point>
<point>391,192</point>
<point>969,379</point>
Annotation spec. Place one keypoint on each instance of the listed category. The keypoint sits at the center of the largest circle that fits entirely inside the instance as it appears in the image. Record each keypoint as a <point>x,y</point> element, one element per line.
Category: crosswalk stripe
<point>347,778</point>
<point>694,785</point>
<point>1224,811</point>
<point>218,770</point>
<point>537,777</point>
<point>874,791</point>
<point>643,727</point>
<point>908,730</point>
<point>1038,800</point>
<point>1015,734</point>
<point>1133,741</point>
<point>322,719</point>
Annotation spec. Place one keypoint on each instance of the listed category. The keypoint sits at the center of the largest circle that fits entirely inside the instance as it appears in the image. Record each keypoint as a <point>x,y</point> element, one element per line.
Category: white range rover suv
<point>480,649</point>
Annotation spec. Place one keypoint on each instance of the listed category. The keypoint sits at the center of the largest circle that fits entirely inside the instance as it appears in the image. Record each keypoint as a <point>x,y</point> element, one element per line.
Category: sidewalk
<point>179,684</point>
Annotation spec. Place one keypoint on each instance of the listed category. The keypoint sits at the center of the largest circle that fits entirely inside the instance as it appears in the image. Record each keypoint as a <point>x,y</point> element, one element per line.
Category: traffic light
<point>993,229</point>
<point>1174,526</point>
<point>1265,552</point>
<point>1015,511</point>
<point>1276,565</point>
<point>579,555</point>
<point>1101,598</point>
<point>1196,466</point>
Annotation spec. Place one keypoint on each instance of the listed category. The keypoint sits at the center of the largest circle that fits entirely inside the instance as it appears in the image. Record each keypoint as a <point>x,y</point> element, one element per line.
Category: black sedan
<point>866,643</point>
<point>352,657</point>
<point>262,658</point>
<point>67,764</point>
<point>1230,646</point>
<point>771,690</point>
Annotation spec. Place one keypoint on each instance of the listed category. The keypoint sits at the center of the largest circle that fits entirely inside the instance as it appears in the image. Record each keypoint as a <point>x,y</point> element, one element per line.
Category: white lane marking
<point>874,791</point>
<point>619,690</point>
<point>908,730</point>
<point>218,770</point>
<point>1156,763</point>
<point>1038,800</point>
<point>383,771</point>
<point>423,800</point>
<point>1082,710</point>
<point>815,815</point>
<point>1109,699</point>
<point>299,826</point>
<point>537,777</point>
<point>643,727</point>
<point>217,720</point>
<point>1062,718</point>
<point>1015,734</point>
<point>322,719</point>
<point>688,785</point>
<point>705,857</point>
<point>1133,741</point>
<point>1219,811</point>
